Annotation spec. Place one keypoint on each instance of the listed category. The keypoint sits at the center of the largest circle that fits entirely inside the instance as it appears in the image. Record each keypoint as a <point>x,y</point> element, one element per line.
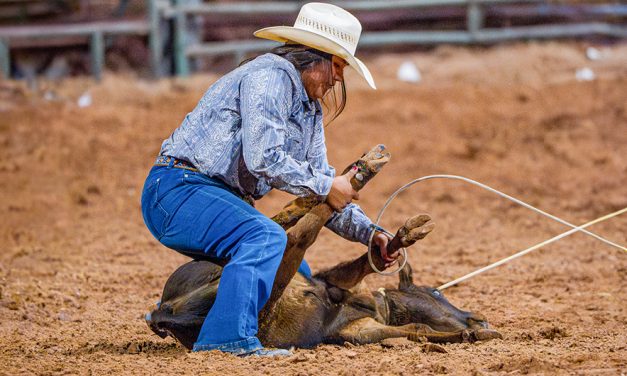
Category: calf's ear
<point>405,278</point>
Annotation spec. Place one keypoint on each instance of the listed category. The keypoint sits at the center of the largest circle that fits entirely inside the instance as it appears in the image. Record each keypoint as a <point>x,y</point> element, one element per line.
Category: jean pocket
<point>192,177</point>
<point>155,216</point>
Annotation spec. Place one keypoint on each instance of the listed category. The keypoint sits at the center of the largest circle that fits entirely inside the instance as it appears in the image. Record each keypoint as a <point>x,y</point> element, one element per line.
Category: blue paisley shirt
<point>256,129</point>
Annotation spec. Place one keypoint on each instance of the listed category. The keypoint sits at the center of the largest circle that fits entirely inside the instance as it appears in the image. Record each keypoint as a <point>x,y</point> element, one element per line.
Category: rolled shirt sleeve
<point>266,100</point>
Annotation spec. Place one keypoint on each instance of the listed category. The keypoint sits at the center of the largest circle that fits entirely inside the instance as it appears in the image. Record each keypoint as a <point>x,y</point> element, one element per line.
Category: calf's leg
<point>348,274</point>
<point>368,330</point>
<point>466,335</point>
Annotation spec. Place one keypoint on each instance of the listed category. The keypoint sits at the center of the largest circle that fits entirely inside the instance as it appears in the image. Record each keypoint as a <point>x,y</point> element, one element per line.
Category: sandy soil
<point>78,268</point>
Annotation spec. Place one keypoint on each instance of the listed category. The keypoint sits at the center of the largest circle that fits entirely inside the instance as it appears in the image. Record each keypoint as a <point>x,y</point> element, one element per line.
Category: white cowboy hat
<point>327,28</point>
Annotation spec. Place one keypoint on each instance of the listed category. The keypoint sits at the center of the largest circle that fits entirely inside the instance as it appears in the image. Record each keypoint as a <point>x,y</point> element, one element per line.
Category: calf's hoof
<point>487,334</point>
<point>415,228</point>
<point>480,335</point>
<point>153,326</point>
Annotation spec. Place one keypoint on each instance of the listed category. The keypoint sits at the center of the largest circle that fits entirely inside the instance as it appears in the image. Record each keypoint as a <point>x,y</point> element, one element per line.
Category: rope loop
<point>371,262</point>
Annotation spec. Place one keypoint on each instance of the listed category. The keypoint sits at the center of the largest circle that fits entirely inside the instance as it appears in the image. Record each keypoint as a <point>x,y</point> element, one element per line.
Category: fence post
<point>181,62</point>
<point>5,59</point>
<point>97,53</point>
<point>238,57</point>
<point>154,39</point>
<point>474,18</point>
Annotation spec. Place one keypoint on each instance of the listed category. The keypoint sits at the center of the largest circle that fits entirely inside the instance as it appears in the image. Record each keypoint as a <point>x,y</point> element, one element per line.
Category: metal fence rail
<point>475,32</point>
<point>273,7</point>
<point>94,31</point>
<point>391,38</point>
<point>180,11</point>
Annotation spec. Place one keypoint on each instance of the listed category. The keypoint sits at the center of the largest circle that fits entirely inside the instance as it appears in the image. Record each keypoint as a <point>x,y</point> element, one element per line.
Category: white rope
<point>525,251</point>
<point>401,189</point>
<point>456,177</point>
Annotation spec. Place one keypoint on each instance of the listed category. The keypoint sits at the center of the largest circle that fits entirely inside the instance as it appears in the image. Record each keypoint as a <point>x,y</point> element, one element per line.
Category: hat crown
<point>327,28</point>
<point>332,22</point>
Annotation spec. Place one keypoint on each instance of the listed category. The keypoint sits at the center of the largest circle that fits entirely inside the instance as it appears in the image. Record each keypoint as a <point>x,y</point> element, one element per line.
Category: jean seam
<point>155,204</point>
<point>254,274</point>
<point>166,217</point>
<point>158,206</point>
<point>243,346</point>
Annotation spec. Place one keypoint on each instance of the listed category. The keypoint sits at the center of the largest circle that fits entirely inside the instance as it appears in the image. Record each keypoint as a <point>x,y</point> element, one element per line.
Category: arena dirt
<point>78,268</point>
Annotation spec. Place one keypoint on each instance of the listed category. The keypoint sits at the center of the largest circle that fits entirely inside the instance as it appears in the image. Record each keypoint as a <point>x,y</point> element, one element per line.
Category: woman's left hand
<point>381,240</point>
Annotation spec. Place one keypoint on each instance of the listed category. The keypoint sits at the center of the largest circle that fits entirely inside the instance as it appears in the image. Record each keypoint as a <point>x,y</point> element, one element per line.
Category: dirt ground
<point>78,268</point>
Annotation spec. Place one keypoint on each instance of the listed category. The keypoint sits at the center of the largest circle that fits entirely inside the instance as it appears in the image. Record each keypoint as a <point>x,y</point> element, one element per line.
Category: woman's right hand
<point>342,192</point>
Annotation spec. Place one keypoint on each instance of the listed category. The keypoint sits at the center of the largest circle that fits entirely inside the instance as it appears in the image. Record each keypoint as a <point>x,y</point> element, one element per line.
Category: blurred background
<point>59,38</point>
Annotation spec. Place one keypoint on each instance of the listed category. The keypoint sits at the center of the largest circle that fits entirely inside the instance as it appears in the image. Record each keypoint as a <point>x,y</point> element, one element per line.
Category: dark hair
<point>304,58</point>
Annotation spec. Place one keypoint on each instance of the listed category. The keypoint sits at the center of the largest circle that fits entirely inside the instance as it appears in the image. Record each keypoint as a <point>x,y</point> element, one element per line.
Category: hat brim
<point>286,34</point>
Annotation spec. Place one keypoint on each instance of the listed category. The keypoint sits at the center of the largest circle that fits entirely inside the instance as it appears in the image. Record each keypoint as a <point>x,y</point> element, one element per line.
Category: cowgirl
<point>259,127</point>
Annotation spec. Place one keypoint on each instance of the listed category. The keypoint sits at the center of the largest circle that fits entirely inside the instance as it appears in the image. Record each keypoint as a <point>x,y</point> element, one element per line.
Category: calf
<point>326,308</point>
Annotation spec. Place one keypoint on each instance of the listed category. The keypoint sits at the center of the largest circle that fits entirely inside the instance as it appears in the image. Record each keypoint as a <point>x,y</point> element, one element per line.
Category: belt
<point>165,160</point>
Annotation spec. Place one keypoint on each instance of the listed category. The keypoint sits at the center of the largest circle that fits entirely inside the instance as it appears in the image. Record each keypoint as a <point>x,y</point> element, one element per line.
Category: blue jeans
<point>197,215</point>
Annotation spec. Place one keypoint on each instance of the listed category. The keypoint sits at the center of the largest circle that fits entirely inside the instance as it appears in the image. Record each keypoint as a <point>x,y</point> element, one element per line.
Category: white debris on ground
<point>593,53</point>
<point>585,74</point>
<point>84,100</point>
<point>408,72</point>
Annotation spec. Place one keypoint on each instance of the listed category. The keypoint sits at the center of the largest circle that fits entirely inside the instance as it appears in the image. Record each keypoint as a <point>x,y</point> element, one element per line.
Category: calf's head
<point>427,305</point>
